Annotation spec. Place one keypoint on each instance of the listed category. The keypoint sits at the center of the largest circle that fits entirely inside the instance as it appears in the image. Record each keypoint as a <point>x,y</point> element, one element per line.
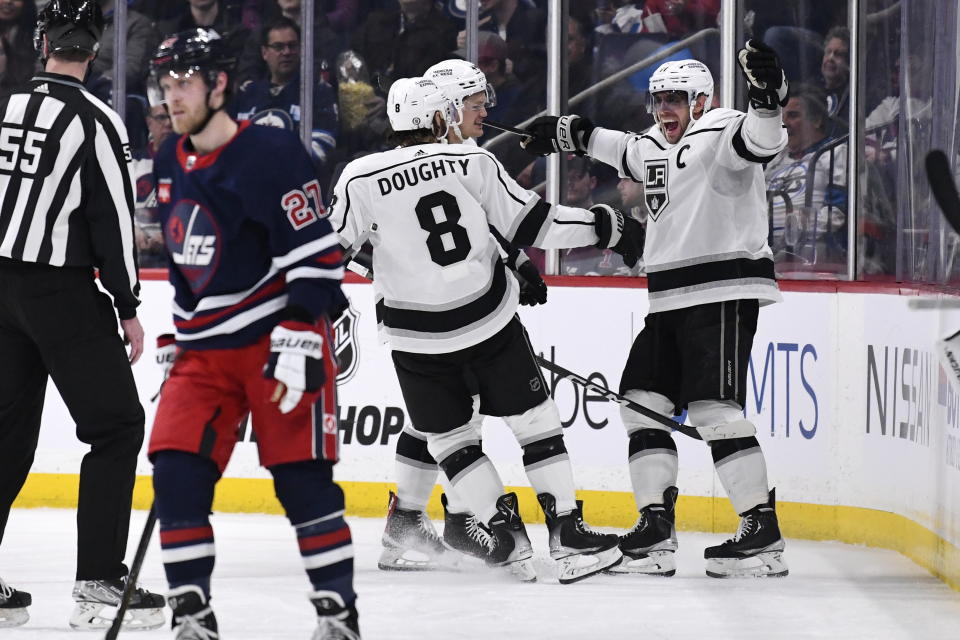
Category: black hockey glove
<point>533,290</point>
<point>767,85</point>
<point>623,234</point>
<point>550,134</point>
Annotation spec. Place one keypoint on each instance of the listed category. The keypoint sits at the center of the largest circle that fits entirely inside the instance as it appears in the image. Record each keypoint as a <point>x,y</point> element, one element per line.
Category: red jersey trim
<point>190,161</point>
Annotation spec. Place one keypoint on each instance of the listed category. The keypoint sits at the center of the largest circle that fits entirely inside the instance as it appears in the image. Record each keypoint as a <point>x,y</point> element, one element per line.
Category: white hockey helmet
<point>691,76</point>
<point>459,79</point>
<point>412,102</point>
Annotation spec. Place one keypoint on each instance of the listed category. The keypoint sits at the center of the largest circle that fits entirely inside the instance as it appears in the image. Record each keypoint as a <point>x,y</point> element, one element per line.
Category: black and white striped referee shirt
<point>66,188</point>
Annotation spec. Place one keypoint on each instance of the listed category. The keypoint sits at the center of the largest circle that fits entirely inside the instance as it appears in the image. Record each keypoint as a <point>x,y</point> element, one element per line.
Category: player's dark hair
<point>814,99</point>
<point>411,137</point>
<point>278,23</point>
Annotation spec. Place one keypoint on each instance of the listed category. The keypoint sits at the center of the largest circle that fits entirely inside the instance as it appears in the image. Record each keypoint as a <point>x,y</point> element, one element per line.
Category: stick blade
<point>944,188</point>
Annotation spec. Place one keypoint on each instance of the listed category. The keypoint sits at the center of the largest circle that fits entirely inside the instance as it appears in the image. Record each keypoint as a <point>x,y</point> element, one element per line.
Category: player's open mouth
<point>671,127</point>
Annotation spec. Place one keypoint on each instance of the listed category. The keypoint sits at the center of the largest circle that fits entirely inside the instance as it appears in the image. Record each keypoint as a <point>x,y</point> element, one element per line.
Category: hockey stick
<point>943,186</point>
<point>553,367</point>
<point>135,566</point>
<point>507,128</point>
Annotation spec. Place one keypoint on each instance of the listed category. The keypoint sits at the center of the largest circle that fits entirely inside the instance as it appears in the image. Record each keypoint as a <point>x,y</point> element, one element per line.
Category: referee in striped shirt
<point>66,208</point>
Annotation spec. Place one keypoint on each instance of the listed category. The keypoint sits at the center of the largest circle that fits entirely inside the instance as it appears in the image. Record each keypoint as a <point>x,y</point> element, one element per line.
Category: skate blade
<point>523,570</point>
<point>87,617</point>
<point>655,563</point>
<point>763,565</point>
<point>583,565</point>
<point>413,560</point>
<point>13,617</point>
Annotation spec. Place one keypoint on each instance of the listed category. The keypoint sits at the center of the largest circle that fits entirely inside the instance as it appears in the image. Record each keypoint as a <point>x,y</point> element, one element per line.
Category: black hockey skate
<point>755,551</point>
<point>510,546</point>
<point>462,531</point>
<point>145,610</point>
<point>648,548</point>
<point>13,606</point>
<point>579,551</point>
<point>334,620</point>
<point>410,543</point>
<point>193,618</point>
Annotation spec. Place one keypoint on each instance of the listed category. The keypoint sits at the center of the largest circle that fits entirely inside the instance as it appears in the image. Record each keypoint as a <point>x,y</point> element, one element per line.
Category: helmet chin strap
<point>210,113</point>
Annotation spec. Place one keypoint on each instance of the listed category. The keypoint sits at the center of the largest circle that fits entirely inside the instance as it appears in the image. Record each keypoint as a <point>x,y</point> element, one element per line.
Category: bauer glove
<point>621,233</point>
<point>550,134</point>
<point>295,362</point>
<point>767,85</point>
<point>165,355</point>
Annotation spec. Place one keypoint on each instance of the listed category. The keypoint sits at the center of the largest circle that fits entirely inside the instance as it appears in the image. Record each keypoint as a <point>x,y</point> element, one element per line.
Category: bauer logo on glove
<point>295,362</point>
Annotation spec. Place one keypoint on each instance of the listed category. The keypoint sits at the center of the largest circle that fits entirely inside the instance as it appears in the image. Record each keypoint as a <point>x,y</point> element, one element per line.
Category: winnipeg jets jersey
<point>245,235</point>
<point>807,199</point>
<point>427,210</point>
<point>706,204</point>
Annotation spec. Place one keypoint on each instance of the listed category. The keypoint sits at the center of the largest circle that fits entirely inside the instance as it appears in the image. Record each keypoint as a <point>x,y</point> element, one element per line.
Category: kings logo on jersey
<point>655,186</point>
<point>346,344</point>
<point>192,238</point>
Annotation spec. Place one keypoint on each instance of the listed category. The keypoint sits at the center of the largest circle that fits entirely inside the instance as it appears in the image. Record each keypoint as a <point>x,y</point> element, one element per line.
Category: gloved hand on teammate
<point>533,290</point>
<point>296,363</point>
<point>552,134</point>
<point>767,86</point>
<point>622,233</point>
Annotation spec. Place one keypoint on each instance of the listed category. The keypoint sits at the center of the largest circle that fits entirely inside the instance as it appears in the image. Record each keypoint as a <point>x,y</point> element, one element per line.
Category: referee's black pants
<point>56,322</point>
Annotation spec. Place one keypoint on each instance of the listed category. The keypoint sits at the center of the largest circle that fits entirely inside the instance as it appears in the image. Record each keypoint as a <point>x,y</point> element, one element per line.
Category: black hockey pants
<point>54,321</point>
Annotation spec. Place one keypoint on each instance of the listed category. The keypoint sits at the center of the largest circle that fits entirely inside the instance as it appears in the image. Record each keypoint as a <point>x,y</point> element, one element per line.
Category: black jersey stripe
<point>710,272</point>
<point>529,228</point>
<point>48,155</point>
<point>740,146</point>
<point>452,319</point>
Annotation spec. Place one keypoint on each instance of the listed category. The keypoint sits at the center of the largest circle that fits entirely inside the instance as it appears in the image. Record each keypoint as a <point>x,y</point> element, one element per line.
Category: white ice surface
<point>833,591</point>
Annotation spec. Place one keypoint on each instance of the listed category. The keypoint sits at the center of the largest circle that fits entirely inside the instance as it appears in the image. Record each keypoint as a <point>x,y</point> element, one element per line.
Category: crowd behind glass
<point>361,46</point>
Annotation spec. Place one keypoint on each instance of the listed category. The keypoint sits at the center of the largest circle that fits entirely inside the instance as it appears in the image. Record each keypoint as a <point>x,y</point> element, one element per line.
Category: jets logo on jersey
<point>346,345</point>
<point>655,186</point>
<point>192,238</point>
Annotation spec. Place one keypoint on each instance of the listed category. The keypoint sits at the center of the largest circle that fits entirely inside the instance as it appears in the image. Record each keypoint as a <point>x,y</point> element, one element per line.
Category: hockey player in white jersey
<point>709,269</point>
<point>447,308</point>
<point>410,542</point>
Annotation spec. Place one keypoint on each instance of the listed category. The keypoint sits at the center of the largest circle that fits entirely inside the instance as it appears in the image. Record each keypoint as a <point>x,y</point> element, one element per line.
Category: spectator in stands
<point>579,53</point>
<point>147,232</point>
<point>274,99</point>
<point>804,225</point>
<point>142,41</point>
<point>675,17</point>
<point>161,10</point>
<point>340,15</point>
<point>523,28</point>
<point>405,41</point>
<point>587,261</point>
<point>220,15</point>
<point>17,21</point>
<point>835,77</point>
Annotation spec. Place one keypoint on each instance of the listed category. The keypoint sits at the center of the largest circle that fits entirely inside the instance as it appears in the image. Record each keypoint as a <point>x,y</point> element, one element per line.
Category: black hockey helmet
<point>192,51</point>
<point>70,25</point>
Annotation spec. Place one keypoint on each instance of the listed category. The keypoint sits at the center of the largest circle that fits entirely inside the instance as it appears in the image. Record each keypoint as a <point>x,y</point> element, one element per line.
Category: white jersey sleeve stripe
<point>306,250</point>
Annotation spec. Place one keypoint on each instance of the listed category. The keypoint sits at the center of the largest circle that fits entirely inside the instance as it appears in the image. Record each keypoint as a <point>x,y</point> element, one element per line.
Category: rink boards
<point>860,427</point>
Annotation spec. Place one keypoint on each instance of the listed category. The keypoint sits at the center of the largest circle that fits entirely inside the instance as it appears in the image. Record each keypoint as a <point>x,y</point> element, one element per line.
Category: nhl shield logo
<point>346,346</point>
<point>655,186</point>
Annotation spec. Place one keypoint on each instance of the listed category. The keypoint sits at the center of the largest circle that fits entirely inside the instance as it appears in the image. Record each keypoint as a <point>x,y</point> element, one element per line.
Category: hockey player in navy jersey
<point>447,309</point>
<point>256,271</point>
<point>410,541</point>
<point>709,269</point>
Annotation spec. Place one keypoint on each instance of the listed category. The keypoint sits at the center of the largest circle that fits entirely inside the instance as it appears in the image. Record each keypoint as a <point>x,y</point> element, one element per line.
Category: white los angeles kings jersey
<point>706,203</point>
<point>427,211</point>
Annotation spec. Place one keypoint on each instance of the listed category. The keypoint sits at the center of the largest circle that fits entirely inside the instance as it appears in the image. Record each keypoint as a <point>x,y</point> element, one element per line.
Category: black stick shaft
<point>943,186</point>
<point>507,128</point>
<point>131,585</point>
<point>553,367</point>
